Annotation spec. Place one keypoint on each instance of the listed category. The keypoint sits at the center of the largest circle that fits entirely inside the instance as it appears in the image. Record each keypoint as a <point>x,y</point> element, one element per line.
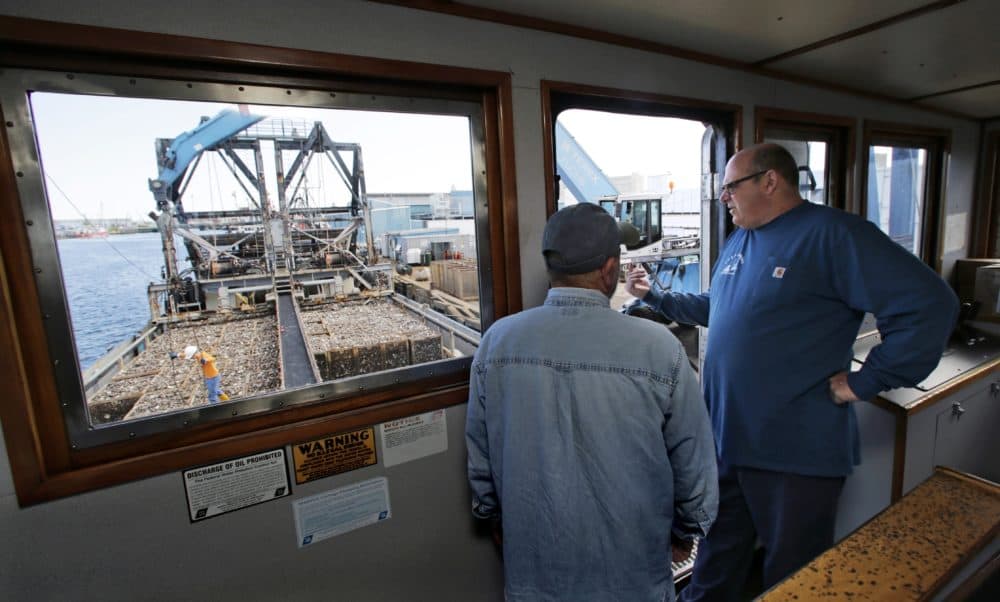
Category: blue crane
<point>176,155</point>
<point>578,171</point>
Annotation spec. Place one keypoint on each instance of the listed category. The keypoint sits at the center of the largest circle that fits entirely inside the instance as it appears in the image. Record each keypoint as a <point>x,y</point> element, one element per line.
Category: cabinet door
<point>968,433</point>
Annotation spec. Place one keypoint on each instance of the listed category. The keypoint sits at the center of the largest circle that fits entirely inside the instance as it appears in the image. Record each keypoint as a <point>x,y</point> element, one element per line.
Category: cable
<point>113,248</point>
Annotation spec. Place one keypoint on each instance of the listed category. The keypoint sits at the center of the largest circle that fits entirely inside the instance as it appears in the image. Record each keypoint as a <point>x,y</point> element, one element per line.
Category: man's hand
<point>636,282</point>
<point>840,391</point>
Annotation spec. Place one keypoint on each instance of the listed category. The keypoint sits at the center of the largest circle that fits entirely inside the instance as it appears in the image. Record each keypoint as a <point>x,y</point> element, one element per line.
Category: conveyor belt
<point>294,353</point>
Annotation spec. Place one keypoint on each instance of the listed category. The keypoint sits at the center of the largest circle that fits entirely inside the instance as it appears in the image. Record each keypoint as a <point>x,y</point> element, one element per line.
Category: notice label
<point>414,437</point>
<point>332,513</point>
<point>219,488</point>
<point>334,454</point>
<point>954,232</point>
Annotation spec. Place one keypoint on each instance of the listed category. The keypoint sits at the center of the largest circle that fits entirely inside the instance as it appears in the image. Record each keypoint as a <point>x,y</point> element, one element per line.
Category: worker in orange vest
<point>213,381</point>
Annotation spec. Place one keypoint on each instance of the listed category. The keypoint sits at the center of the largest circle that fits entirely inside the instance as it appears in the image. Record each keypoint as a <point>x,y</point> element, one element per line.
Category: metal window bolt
<point>957,410</point>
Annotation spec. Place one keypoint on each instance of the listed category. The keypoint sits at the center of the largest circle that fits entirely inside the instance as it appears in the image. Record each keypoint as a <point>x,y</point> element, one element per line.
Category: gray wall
<point>134,541</point>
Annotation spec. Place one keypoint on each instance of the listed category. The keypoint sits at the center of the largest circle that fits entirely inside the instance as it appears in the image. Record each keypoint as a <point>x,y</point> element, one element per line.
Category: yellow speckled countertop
<point>909,550</point>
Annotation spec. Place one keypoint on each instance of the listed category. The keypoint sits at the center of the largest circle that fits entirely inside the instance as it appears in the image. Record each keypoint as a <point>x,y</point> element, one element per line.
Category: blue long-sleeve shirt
<point>588,437</point>
<point>784,308</point>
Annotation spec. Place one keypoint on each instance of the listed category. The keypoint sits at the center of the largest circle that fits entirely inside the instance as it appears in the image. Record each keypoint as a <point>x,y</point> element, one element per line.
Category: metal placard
<point>334,454</point>
<point>236,483</point>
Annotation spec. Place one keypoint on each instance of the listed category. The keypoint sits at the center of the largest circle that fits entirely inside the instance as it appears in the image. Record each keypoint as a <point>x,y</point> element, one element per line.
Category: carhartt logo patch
<point>779,272</point>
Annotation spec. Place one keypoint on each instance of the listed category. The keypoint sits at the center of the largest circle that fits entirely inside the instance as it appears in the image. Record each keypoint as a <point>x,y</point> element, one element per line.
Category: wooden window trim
<point>767,117</point>
<point>622,101</point>
<point>938,145</point>
<point>43,465</point>
<point>986,207</point>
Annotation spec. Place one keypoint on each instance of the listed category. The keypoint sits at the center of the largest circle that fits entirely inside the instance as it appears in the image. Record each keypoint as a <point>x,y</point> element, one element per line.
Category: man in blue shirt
<point>588,439</point>
<point>788,294</point>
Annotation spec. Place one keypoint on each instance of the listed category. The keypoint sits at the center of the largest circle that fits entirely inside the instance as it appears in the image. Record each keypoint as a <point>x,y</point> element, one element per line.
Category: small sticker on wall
<point>414,437</point>
<point>955,229</point>
<point>779,272</point>
<point>338,511</point>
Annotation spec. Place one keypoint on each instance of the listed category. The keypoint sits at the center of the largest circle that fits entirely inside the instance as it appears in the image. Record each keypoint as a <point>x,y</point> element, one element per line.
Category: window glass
<point>896,192</point>
<point>645,170</point>
<point>640,217</point>
<point>213,257</point>
<point>655,215</point>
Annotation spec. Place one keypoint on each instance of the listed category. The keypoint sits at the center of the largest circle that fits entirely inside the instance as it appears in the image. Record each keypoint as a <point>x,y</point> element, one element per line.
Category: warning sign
<point>334,454</point>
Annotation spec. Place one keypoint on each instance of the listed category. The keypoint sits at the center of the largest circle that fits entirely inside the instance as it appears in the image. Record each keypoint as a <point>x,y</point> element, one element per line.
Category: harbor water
<point>105,281</point>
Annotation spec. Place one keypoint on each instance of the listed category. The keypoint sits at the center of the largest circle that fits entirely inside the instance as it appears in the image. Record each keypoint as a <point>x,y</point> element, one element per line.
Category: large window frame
<point>724,127</point>
<point>560,96</point>
<point>45,461</point>
<point>836,131</point>
<point>986,208</point>
<point>937,144</point>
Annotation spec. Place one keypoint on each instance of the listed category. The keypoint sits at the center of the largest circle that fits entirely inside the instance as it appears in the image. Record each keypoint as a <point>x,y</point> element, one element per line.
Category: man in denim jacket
<point>588,437</point>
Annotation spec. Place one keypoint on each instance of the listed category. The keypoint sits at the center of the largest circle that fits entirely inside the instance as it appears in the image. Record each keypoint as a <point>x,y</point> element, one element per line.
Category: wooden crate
<point>457,277</point>
<point>365,359</point>
<point>425,349</point>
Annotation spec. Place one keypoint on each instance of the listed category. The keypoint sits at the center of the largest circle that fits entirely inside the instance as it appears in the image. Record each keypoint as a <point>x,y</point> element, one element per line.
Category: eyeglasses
<point>731,186</point>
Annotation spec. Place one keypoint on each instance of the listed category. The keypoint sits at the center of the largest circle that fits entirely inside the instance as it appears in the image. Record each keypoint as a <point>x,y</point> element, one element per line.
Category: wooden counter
<point>910,550</point>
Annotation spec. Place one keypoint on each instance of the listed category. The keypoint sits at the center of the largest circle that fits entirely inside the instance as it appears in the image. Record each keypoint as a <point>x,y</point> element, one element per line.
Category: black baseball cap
<point>580,238</point>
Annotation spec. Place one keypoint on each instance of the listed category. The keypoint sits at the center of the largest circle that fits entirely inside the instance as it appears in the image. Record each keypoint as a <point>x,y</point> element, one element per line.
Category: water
<point>107,292</point>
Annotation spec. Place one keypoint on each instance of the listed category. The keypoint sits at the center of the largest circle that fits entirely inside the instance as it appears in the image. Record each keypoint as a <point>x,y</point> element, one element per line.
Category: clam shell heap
<point>246,353</point>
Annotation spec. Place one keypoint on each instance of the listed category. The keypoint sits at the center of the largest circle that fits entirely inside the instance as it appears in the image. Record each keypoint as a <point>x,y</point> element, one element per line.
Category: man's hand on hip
<point>840,391</point>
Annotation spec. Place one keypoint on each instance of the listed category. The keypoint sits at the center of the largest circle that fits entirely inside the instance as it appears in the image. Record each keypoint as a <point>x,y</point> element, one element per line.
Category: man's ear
<point>771,181</point>
<point>609,271</point>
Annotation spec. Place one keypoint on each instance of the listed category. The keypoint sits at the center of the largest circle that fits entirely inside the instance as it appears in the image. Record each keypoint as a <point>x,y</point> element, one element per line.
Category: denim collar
<point>565,296</point>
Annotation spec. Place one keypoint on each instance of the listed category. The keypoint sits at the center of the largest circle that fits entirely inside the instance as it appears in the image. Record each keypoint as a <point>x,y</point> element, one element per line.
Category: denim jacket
<point>589,439</point>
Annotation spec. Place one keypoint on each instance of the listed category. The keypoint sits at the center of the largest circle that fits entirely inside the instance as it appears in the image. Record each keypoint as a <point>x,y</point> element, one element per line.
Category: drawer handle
<point>957,410</point>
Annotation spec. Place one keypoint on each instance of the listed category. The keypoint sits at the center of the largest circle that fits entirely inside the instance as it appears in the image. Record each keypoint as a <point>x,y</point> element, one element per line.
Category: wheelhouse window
<point>823,147</point>
<point>644,170</point>
<point>986,234</point>
<point>897,188</point>
<point>221,252</point>
<point>648,162</point>
<point>904,170</point>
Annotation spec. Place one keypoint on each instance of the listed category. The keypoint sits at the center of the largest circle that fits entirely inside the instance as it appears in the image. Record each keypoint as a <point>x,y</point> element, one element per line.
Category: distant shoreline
<point>100,232</point>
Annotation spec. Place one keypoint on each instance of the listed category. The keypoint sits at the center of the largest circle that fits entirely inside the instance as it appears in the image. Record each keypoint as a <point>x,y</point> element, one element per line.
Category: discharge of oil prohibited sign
<point>236,483</point>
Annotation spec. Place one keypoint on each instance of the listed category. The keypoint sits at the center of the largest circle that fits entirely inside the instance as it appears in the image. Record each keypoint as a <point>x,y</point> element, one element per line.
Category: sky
<point>622,144</point>
<point>98,152</point>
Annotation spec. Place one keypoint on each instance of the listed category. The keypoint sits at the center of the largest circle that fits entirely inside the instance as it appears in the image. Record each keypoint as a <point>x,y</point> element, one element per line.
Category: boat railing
<point>277,127</point>
<point>455,336</point>
<point>115,360</point>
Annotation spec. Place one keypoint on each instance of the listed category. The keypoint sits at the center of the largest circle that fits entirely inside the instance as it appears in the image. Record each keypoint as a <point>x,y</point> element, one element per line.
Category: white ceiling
<point>943,54</point>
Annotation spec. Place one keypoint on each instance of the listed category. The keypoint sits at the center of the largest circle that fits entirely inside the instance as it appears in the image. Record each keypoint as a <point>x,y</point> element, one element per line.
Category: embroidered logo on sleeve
<point>779,272</point>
